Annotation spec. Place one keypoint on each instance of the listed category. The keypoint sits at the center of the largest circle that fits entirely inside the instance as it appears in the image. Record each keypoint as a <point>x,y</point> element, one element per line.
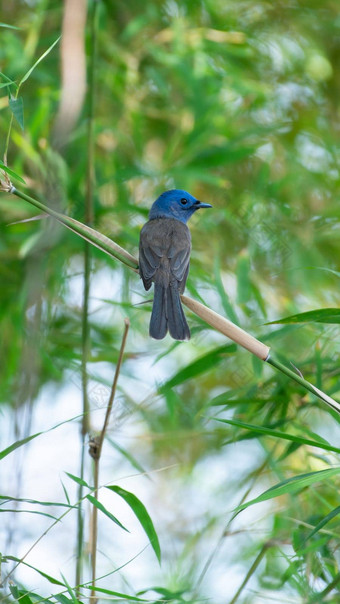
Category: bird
<point>164,257</point>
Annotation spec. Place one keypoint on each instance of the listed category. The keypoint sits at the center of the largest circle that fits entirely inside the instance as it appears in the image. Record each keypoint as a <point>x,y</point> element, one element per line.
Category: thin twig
<point>252,569</point>
<point>300,380</point>
<point>95,452</point>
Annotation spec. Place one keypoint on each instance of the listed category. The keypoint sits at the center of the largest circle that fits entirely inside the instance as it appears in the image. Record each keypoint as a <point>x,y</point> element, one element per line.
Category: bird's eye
<point>184,201</point>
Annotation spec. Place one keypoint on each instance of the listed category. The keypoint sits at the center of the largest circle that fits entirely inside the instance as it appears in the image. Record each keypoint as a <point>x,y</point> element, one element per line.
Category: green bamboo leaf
<point>62,598</point>
<point>78,480</point>
<point>166,594</point>
<point>103,509</point>
<point>8,80</point>
<point>322,523</point>
<point>34,501</point>
<point>141,513</point>
<point>20,595</point>
<point>40,572</point>
<point>321,315</point>
<point>70,591</point>
<point>11,172</point>
<point>65,493</point>
<point>9,26</point>
<point>243,277</point>
<point>18,444</point>
<point>291,485</point>
<point>28,73</point>
<point>117,594</point>
<point>16,105</point>
<point>328,270</point>
<point>34,597</point>
<point>28,512</point>
<point>300,440</point>
<point>133,461</point>
<point>199,366</point>
<point>227,306</point>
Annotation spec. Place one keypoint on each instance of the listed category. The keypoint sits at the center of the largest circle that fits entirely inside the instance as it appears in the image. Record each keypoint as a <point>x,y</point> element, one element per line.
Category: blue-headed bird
<point>164,256</point>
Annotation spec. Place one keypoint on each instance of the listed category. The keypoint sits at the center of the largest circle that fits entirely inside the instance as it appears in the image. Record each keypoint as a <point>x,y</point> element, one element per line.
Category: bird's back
<point>165,245</point>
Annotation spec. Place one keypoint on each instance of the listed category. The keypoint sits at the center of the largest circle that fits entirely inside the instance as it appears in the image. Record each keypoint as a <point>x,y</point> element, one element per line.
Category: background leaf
<point>322,315</point>
<point>141,513</point>
<point>16,105</point>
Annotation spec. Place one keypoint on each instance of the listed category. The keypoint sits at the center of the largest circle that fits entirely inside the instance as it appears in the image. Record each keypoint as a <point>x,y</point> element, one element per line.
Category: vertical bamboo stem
<point>88,214</point>
<point>95,452</point>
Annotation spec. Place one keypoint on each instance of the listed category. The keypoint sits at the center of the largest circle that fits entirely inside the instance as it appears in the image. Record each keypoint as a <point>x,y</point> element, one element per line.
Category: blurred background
<point>238,103</point>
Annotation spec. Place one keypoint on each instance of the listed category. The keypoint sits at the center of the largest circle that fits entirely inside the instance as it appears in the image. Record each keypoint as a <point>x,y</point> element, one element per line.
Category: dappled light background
<point>238,103</point>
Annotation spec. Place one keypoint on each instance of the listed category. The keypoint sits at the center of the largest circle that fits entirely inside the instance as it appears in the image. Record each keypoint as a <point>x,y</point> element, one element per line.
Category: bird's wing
<point>150,256</point>
<point>166,244</point>
<point>179,263</point>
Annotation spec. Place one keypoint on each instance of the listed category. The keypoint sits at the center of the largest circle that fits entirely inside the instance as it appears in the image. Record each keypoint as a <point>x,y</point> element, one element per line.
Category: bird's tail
<point>167,313</point>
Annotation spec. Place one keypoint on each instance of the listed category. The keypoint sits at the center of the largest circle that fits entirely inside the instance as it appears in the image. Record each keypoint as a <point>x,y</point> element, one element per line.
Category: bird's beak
<point>199,204</point>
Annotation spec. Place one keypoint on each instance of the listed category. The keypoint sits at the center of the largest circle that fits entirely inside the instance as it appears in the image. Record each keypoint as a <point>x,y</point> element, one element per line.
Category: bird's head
<point>176,204</point>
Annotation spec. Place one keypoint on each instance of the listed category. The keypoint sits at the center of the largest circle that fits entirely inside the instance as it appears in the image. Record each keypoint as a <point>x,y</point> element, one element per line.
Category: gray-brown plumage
<point>164,257</point>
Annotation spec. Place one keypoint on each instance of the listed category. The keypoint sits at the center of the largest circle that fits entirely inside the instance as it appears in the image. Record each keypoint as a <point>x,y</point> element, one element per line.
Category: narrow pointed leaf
<point>28,73</point>
<point>7,79</point>
<point>199,366</point>
<point>299,440</point>
<point>141,513</point>
<point>9,26</point>
<point>17,444</point>
<point>62,598</point>
<point>11,172</point>
<point>40,572</point>
<point>322,523</point>
<point>2,510</point>
<point>7,498</point>
<point>133,461</point>
<point>291,485</point>
<point>4,84</point>
<point>78,480</point>
<point>70,591</point>
<point>17,108</point>
<point>105,511</point>
<point>321,315</point>
<point>117,594</point>
<point>20,595</point>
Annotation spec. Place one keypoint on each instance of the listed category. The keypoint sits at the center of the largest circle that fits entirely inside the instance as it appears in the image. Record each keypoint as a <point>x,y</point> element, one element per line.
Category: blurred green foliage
<point>237,102</point>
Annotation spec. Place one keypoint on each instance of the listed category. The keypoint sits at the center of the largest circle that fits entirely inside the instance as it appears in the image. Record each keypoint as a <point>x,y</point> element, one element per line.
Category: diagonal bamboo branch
<point>228,328</point>
<point>218,322</point>
<point>87,233</point>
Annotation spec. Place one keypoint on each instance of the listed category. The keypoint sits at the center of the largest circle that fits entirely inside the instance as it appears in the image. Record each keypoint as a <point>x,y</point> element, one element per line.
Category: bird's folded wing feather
<point>149,262</point>
<point>157,244</point>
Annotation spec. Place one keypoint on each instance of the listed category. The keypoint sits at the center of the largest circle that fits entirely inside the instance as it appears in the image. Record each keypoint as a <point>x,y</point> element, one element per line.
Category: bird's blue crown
<point>177,204</point>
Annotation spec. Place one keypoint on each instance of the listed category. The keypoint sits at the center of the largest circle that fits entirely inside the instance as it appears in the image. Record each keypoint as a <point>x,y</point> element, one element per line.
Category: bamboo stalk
<point>228,328</point>
<point>223,325</point>
<point>95,452</point>
<point>86,335</point>
<point>300,380</point>
<point>254,346</point>
<point>91,235</point>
